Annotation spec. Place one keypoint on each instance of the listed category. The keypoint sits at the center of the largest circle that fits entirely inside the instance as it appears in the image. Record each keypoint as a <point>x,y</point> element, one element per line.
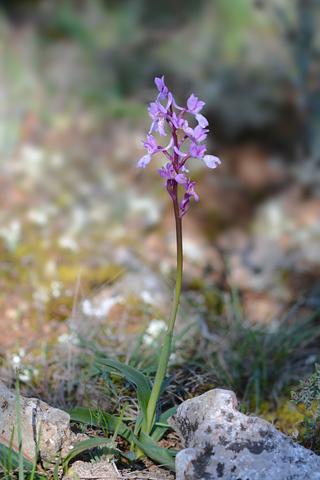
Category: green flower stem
<point>166,349</point>
<point>177,290</point>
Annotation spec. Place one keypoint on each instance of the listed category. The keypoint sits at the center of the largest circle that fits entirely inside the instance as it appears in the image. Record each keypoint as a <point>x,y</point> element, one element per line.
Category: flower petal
<point>161,87</point>
<point>194,106</point>
<point>192,102</point>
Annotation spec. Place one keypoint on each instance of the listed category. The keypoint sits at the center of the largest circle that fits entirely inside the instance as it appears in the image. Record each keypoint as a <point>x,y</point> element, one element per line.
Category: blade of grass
<point>36,454</point>
<point>119,423</point>
<point>100,413</point>
<point>56,469</point>
<point>21,475</point>
<point>14,453</point>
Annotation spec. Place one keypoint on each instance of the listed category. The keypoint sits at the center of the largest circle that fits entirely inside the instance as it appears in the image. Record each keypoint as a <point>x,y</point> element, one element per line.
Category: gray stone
<point>55,436</point>
<point>223,443</point>
<point>88,470</point>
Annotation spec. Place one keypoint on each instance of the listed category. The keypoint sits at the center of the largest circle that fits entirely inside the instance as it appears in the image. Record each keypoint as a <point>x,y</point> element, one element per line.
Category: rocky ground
<point>87,241</point>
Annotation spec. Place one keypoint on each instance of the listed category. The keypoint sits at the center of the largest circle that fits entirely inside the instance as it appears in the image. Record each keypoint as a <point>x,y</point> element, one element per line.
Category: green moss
<point>283,417</point>
<point>42,269</point>
<point>196,283</point>
<point>214,302</point>
<point>204,388</point>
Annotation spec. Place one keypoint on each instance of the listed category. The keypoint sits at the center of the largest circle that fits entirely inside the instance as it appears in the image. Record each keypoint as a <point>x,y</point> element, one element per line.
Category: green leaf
<point>56,469</point>
<point>83,415</point>
<point>165,383</point>
<point>6,452</point>
<point>86,445</point>
<point>154,451</point>
<point>134,376</point>
<point>161,426</point>
<point>138,423</point>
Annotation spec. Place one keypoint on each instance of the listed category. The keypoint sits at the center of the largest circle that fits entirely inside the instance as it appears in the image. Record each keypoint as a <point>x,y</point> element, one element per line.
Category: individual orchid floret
<point>159,114</point>
<point>152,148</point>
<point>178,121</point>
<point>161,87</point>
<point>184,205</point>
<point>194,106</point>
<point>200,134</point>
<point>189,186</point>
<point>197,134</point>
<point>151,145</point>
<point>197,151</point>
<point>170,173</point>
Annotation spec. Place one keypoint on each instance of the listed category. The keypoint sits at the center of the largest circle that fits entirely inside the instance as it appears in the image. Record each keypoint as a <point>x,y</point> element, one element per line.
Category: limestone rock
<point>55,426</point>
<point>223,443</point>
<point>88,470</point>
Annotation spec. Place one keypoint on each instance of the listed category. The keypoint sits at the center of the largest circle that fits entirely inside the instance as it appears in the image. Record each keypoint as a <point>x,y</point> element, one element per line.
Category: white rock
<point>55,426</point>
<point>223,443</point>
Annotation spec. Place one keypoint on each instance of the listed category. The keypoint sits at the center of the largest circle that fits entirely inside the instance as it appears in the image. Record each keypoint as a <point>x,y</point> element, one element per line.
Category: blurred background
<point>76,79</point>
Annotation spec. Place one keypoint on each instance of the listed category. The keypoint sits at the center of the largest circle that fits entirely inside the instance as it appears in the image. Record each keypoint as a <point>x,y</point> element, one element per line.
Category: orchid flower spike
<point>164,116</point>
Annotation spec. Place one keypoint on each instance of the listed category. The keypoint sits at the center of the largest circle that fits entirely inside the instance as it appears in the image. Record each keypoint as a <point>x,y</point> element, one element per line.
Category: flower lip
<point>203,122</point>
<point>211,161</point>
<point>144,161</point>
